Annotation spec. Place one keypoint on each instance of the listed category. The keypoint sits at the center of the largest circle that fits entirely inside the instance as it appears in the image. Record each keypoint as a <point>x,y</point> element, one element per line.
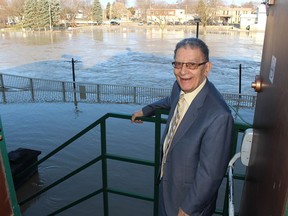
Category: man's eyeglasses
<point>189,65</point>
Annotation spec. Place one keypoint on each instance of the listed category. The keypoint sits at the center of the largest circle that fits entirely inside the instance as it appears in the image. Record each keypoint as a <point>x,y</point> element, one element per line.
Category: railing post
<point>104,168</point>
<point>63,91</point>
<point>254,101</point>
<point>32,89</point>
<point>240,79</point>
<point>157,160</point>
<point>98,93</point>
<point>134,95</point>
<point>74,84</point>
<point>3,88</point>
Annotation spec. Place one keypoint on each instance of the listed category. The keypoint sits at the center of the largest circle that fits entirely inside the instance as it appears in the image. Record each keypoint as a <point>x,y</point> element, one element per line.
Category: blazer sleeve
<point>164,103</point>
<point>214,158</point>
<point>150,109</point>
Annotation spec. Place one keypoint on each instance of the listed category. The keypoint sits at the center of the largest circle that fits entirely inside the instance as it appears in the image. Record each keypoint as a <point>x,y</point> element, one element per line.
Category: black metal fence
<point>18,89</point>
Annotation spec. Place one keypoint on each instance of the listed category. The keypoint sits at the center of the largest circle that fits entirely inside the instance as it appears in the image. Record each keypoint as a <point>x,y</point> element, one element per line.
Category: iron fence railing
<point>17,89</point>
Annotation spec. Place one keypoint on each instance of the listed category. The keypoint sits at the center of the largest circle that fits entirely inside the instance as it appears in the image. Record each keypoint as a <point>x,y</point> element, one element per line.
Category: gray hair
<point>193,43</point>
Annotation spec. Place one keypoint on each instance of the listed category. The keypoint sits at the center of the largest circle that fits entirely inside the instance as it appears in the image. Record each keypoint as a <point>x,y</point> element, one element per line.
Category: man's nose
<point>184,69</point>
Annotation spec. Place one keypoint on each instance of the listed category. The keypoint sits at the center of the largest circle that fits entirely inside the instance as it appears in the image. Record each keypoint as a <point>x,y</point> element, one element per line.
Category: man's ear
<point>208,67</point>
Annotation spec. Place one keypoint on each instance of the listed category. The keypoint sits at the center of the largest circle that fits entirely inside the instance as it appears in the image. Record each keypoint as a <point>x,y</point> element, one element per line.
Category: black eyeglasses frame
<point>189,65</point>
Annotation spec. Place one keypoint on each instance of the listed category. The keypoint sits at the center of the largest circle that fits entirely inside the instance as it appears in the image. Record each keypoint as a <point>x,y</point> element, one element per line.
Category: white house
<point>165,15</point>
<point>254,21</point>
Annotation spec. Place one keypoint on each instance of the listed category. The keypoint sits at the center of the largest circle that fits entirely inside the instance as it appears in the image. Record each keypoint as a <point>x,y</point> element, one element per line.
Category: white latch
<point>246,146</point>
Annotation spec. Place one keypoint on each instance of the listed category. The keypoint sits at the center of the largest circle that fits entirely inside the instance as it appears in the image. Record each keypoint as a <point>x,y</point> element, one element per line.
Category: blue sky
<point>131,2</point>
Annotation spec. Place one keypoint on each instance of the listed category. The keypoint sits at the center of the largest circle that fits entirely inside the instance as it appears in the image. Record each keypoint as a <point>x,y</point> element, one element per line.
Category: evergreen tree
<point>41,14</point>
<point>108,10</point>
<point>97,13</point>
<point>30,14</point>
<point>55,10</point>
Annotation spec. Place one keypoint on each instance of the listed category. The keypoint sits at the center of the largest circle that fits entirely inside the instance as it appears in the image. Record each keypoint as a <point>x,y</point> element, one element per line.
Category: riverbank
<point>135,25</point>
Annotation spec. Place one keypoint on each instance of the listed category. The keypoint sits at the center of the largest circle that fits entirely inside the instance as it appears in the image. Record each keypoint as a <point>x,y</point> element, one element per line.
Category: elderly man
<point>197,141</point>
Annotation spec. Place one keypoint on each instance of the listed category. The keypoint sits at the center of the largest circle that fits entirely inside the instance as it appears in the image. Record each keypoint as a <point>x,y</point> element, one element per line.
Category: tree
<point>97,12</point>
<point>30,14</point>
<point>143,6</point>
<point>41,14</point>
<point>70,9</point>
<point>87,9</point>
<point>206,11</point>
<point>132,10</point>
<point>124,2</point>
<point>119,10</point>
<point>55,10</point>
<point>3,12</point>
<point>15,9</point>
<point>189,5</point>
<point>108,10</point>
<point>250,5</point>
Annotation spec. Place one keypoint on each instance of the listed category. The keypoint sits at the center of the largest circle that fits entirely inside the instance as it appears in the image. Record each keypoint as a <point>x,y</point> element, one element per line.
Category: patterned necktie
<point>172,129</point>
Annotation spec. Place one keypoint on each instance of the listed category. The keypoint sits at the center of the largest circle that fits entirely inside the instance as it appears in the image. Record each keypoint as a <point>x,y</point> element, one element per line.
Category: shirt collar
<point>189,97</point>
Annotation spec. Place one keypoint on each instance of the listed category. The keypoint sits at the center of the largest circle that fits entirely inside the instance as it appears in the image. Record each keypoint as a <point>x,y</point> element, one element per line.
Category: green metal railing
<point>104,156</point>
<point>9,181</point>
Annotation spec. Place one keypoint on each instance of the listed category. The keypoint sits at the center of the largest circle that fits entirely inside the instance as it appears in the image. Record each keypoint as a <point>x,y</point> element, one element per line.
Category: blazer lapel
<point>175,95</point>
<point>191,115</point>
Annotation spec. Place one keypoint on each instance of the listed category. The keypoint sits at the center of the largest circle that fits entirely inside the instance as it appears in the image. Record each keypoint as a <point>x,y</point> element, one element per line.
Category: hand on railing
<point>181,213</point>
<point>135,116</point>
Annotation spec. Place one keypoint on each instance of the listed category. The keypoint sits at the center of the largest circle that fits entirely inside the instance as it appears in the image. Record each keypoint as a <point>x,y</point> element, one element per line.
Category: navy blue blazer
<point>199,153</point>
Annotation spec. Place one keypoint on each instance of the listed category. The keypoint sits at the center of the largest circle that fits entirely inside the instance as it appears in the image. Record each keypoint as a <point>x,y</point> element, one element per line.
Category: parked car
<point>114,23</point>
<point>174,23</point>
<point>189,22</point>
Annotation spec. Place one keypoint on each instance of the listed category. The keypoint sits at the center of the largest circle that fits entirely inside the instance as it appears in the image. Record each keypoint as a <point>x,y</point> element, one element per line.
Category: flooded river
<point>123,56</point>
<point>127,56</point>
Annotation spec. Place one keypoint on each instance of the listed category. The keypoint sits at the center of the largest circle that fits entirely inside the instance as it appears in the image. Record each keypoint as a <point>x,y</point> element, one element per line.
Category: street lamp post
<point>197,20</point>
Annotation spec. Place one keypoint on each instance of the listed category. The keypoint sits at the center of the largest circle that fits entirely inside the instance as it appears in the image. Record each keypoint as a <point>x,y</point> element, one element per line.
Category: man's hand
<point>181,213</point>
<point>136,115</point>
